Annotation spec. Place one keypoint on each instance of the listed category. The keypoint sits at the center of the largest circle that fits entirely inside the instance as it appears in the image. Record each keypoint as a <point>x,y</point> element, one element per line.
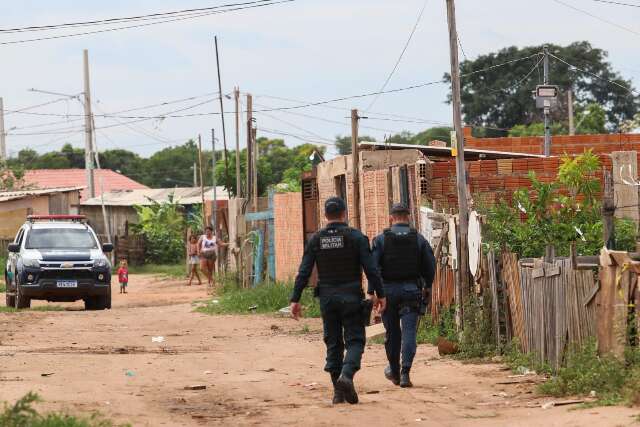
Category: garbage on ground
<point>215,301</point>
<point>157,339</point>
<point>524,371</point>
<point>285,311</point>
<point>196,387</point>
<point>208,372</point>
<point>47,374</point>
<point>253,308</point>
<point>548,405</point>
<point>130,373</point>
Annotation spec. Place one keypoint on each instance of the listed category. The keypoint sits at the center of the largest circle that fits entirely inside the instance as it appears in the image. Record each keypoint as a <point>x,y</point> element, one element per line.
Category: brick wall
<point>561,144</point>
<point>490,181</point>
<point>289,234</point>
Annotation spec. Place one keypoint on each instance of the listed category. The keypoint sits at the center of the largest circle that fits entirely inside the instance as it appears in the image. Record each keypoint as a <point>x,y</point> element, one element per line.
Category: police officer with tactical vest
<point>340,253</point>
<point>407,266</point>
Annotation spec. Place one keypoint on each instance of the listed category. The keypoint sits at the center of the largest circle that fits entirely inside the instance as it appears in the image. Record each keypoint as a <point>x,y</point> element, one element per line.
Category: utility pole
<point>204,210</point>
<point>214,218</point>
<point>355,161</point>
<point>572,128</point>
<point>547,110</point>
<point>236,95</point>
<point>249,192</point>
<point>254,168</point>
<point>88,128</point>
<point>462,288</point>
<point>224,131</point>
<point>3,135</point>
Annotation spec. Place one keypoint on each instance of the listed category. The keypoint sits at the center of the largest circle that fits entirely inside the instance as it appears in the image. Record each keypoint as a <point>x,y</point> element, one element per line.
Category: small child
<point>123,276</point>
<point>193,260</point>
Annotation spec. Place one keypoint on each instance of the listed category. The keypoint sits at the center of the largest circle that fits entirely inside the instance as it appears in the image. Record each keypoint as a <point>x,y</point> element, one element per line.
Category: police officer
<point>340,253</point>
<point>407,266</point>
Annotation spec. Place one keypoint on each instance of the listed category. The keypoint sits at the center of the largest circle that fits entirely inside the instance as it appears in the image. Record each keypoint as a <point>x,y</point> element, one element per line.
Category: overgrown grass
<point>4,309</point>
<point>264,298</point>
<point>171,270</point>
<point>23,414</point>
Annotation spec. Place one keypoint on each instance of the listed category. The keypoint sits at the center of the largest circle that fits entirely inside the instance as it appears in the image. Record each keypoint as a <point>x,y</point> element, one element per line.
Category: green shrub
<point>476,339</point>
<point>23,414</point>
<point>264,298</point>
<point>516,360</point>
<point>170,270</point>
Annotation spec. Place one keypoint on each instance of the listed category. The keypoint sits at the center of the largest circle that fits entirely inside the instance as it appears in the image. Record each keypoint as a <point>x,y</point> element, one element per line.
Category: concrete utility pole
<point>254,167</point>
<point>249,192</point>
<point>3,135</point>
<point>572,128</point>
<point>88,127</point>
<point>355,176</point>
<point>236,95</point>
<point>195,174</point>
<point>462,282</point>
<point>547,124</point>
<point>214,218</point>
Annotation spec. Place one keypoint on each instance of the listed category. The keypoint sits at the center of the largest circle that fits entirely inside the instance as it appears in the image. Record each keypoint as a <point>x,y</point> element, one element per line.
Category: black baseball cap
<point>334,205</point>
<point>399,209</point>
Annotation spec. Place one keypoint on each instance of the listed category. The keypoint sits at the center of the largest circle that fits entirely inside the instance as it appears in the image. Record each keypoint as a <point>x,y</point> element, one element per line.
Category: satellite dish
<point>475,243</point>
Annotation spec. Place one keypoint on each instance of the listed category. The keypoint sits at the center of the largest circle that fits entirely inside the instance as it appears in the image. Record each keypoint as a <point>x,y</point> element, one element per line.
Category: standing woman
<point>208,252</point>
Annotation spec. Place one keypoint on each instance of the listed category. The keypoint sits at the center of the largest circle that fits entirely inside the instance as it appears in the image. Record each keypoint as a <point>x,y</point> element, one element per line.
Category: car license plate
<point>67,283</point>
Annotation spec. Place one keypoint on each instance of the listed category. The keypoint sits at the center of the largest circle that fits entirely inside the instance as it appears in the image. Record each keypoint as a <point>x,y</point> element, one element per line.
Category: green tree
<point>163,226</point>
<point>591,119</point>
<point>343,143</point>
<point>126,162</point>
<point>172,166</point>
<point>75,156</point>
<point>501,97</point>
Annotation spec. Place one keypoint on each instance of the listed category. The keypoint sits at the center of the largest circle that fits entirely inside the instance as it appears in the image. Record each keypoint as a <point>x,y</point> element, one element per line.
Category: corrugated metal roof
<point>184,196</point>
<point>57,178</point>
<point>6,196</point>
<point>469,153</point>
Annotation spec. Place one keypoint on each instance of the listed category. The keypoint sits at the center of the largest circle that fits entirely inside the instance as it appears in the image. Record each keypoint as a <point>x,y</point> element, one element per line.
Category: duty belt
<point>339,290</point>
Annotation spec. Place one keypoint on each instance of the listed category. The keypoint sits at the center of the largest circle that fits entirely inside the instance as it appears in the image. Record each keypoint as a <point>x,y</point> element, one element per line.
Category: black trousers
<point>344,333</point>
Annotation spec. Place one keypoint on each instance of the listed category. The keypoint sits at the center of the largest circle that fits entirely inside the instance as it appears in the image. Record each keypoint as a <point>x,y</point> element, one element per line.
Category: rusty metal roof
<point>142,197</point>
<point>6,196</point>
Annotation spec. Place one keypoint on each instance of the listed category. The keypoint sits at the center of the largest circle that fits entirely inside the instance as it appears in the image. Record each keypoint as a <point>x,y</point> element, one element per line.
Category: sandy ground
<point>258,370</point>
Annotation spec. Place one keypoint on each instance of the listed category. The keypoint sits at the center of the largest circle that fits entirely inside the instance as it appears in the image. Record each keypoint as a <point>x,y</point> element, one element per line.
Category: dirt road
<point>258,371</point>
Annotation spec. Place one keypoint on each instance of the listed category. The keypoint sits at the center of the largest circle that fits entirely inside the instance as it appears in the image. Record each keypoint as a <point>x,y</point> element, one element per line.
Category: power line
<point>404,49</point>
<point>20,110</point>
<point>251,6</point>
<point>629,90</point>
<point>594,16</point>
<point>617,3</point>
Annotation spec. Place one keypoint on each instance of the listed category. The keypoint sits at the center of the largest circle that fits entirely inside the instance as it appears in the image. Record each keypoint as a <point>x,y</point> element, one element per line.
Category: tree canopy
<point>501,97</point>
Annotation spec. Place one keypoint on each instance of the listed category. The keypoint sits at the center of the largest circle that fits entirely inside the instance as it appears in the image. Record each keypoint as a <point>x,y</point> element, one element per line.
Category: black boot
<point>405,381</point>
<point>338,395</point>
<point>391,375</point>
<point>345,385</point>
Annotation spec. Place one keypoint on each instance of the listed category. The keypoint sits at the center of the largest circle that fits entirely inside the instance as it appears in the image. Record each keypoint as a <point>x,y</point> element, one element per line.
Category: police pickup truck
<point>58,258</point>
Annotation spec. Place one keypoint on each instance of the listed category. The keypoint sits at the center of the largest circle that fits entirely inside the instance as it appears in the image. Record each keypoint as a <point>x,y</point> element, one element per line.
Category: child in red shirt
<point>123,276</point>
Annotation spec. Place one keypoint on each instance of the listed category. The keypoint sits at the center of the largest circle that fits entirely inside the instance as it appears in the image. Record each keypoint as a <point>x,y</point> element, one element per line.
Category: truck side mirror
<point>13,248</point>
<point>107,247</point>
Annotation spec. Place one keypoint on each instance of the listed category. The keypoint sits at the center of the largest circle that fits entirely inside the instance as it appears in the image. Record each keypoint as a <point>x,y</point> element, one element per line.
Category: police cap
<point>334,206</point>
<point>399,209</point>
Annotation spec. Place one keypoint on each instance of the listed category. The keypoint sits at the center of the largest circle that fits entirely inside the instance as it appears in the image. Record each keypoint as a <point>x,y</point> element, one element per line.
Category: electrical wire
<point>617,3</point>
<point>404,49</point>
<point>629,90</point>
<point>20,110</point>
<point>606,21</point>
<point>522,80</point>
<point>216,12</point>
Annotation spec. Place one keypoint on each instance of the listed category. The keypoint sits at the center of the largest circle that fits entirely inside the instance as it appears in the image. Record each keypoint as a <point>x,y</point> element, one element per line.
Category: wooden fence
<point>551,306</point>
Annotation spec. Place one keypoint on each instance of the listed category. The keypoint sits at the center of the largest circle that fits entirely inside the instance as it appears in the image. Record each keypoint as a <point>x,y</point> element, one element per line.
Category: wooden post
<point>461,176</point>
<point>608,211</point>
<point>236,95</point>
<point>254,168</point>
<point>493,284</point>
<point>204,210</point>
<point>249,147</point>
<point>355,175</point>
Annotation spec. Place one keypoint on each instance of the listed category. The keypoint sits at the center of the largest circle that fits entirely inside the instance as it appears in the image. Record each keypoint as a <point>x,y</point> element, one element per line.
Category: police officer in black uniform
<point>340,254</point>
<point>407,266</point>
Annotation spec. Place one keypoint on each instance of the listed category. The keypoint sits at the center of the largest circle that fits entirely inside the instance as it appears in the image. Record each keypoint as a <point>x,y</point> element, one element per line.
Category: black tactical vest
<point>337,256</point>
<point>401,256</point>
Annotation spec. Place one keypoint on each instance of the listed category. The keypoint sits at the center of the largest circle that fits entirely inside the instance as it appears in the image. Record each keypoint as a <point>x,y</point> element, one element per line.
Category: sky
<point>305,51</point>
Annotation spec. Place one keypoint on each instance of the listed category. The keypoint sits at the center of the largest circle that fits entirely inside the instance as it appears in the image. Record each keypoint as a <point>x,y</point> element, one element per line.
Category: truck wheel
<point>102,302</point>
<point>21,300</point>
<point>108,305</point>
<point>90,303</point>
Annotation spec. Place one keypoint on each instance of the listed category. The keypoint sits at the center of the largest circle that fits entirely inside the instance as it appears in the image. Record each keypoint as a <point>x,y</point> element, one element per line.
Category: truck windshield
<point>60,238</point>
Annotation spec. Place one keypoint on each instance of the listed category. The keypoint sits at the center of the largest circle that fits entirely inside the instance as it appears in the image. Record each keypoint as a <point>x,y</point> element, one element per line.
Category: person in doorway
<point>123,275</point>
<point>208,252</point>
<point>340,253</point>
<point>193,260</point>
<point>407,267</point>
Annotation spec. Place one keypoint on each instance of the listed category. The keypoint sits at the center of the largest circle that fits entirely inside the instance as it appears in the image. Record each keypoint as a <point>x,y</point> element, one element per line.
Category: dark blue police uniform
<point>404,257</point>
<point>340,253</point>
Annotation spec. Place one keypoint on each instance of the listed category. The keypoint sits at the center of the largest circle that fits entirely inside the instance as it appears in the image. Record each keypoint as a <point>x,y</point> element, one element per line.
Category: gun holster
<point>366,309</point>
<point>425,301</point>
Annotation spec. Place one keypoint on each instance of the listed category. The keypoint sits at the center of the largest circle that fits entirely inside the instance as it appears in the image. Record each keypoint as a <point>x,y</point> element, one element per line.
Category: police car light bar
<point>32,218</point>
